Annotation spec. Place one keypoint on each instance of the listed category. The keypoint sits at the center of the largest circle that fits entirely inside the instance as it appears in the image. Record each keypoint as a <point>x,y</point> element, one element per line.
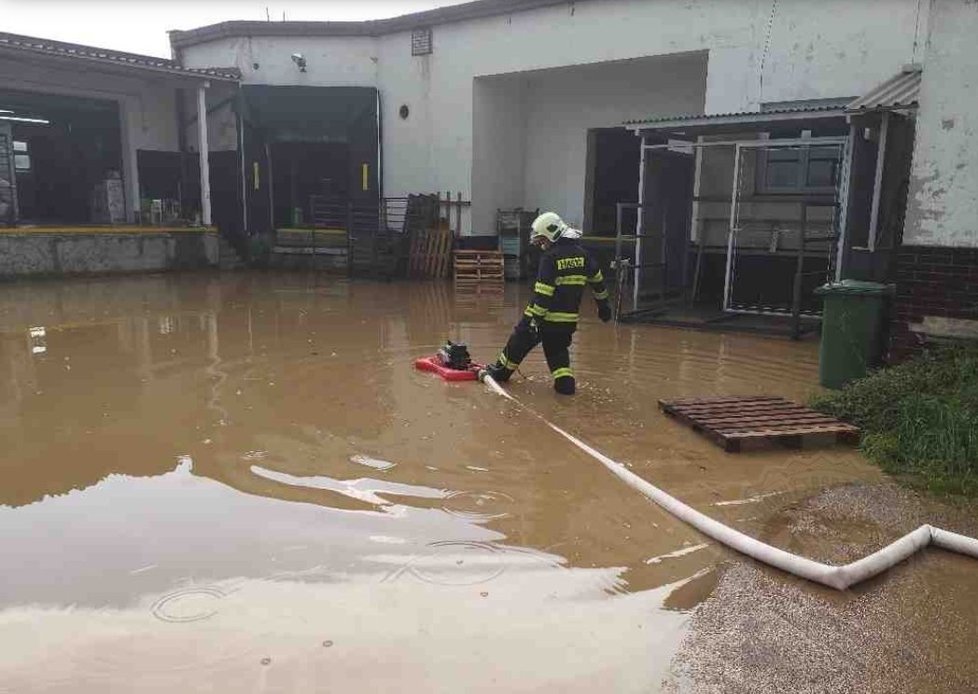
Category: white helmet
<point>549,225</point>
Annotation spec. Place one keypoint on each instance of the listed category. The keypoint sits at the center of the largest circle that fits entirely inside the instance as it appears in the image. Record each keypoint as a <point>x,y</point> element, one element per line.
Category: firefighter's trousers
<point>556,341</point>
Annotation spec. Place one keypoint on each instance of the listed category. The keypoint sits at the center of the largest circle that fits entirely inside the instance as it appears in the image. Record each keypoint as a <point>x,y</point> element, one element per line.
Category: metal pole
<point>799,271</point>
<point>878,181</point>
<point>244,178</point>
<point>271,187</point>
<point>621,270</point>
<point>758,142</point>
<point>350,239</point>
<point>205,171</point>
<point>458,222</point>
<point>618,207</point>
<point>842,217</point>
<point>620,266</point>
<point>664,253</point>
<point>733,229</point>
<point>694,230</point>
<point>636,278</point>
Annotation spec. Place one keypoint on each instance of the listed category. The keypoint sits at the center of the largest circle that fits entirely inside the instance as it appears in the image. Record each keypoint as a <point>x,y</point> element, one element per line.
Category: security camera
<point>299,61</point>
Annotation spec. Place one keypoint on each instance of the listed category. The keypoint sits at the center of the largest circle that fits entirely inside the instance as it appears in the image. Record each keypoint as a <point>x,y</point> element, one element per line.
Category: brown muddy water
<point>239,483</point>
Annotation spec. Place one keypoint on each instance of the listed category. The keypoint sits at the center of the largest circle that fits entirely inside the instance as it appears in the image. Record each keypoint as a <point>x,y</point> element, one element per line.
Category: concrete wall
<point>563,104</point>
<point>222,124</point>
<point>337,61</point>
<point>943,204</point>
<point>30,254</point>
<point>809,53</point>
<point>499,141</point>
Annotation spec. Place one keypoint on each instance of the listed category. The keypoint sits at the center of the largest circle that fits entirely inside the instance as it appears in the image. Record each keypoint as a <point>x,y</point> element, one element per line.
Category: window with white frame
<point>801,170</point>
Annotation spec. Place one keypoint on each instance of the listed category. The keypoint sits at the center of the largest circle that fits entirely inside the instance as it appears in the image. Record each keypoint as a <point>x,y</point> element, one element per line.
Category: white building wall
<point>499,146</point>
<point>222,122</point>
<point>564,104</point>
<point>813,50</point>
<point>335,61</point>
<point>943,199</point>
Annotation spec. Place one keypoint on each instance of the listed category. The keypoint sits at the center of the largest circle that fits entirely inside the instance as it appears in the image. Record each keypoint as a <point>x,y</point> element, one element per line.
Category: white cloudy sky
<point>140,26</point>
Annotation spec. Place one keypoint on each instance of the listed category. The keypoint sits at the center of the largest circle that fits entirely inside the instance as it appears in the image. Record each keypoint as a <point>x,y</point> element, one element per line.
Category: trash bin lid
<point>856,287</point>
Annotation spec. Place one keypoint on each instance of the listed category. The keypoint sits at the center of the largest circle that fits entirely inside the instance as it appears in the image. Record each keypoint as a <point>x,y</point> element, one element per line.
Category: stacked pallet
<point>431,253</point>
<point>732,421</point>
<point>479,267</point>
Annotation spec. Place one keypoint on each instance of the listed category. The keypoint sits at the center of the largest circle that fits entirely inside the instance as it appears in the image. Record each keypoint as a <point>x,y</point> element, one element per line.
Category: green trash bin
<point>852,330</point>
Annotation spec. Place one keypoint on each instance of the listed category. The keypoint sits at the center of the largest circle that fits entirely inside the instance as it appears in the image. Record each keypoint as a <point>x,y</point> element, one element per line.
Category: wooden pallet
<point>430,253</point>
<point>479,267</point>
<point>732,421</point>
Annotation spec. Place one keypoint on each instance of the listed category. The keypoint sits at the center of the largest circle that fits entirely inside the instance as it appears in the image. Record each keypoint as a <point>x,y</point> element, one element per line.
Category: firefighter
<point>551,316</point>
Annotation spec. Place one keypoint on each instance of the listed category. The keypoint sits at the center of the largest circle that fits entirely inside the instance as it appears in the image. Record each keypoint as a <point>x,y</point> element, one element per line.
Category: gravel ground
<point>913,629</point>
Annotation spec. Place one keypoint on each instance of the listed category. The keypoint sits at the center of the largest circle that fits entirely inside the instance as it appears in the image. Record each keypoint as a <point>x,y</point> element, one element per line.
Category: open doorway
<point>310,154</point>
<point>612,177</point>
<point>67,157</point>
<point>666,211</point>
<point>301,170</point>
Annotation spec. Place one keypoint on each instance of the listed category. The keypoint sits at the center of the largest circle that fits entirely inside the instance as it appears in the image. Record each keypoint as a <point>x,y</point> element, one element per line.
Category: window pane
<point>20,146</point>
<point>832,153</point>
<point>821,173</point>
<point>782,174</point>
<point>784,154</point>
<point>22,162</point>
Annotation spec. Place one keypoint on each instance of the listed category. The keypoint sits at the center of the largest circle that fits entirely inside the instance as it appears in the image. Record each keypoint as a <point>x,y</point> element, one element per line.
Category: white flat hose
<point>838,577</point>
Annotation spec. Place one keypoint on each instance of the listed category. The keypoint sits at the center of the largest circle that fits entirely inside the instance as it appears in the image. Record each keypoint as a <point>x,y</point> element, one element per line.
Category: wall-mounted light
<point>300,61</point>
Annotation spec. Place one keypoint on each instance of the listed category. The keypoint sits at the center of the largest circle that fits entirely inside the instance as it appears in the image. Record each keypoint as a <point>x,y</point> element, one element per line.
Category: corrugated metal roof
<point>743,116</point>
<point>900,91</point>
<point>76,51</point>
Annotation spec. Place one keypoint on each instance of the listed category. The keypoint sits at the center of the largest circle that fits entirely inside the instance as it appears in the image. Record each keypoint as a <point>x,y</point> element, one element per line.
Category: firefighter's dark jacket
<point>564,270</point>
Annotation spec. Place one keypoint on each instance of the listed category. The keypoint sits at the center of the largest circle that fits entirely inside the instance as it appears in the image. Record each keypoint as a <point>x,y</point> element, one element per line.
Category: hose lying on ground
<point>838,577</point>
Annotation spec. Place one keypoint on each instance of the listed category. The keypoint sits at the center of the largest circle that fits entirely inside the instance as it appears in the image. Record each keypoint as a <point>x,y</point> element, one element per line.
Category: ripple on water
<point>479,507</point>
<point>466,563</point>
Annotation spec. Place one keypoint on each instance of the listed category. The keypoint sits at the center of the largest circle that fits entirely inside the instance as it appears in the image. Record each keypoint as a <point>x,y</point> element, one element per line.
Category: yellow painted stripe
<point>544,289</point>
<point>507,363</point>
<point>257,176</point>
<point>563,373</point>
<point>573,280</point>
<point>365,173</point>
<point>554,317</point>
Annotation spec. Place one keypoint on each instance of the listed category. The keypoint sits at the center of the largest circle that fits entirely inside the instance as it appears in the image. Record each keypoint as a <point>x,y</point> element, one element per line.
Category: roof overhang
<point>738,122</point>
<point>899,93</point>
<point>89,57</point>
<point>377,27</point>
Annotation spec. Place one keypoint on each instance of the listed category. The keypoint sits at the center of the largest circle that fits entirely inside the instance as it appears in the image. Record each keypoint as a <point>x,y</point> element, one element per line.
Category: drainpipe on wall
<point>205,173</point>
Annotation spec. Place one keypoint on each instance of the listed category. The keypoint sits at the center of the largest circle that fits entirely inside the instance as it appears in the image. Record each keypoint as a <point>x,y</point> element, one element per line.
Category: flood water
<point>239,483</point>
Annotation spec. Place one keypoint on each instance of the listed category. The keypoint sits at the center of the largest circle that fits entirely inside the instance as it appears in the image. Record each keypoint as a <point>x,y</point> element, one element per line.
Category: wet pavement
<point>238,482</point>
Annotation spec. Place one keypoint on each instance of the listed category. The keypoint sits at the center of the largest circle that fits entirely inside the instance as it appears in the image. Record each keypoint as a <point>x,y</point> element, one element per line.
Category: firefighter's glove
<point>604,311</point>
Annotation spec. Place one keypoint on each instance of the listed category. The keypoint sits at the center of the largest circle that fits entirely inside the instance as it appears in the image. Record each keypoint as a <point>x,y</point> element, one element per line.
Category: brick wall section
<point>931,281</point>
